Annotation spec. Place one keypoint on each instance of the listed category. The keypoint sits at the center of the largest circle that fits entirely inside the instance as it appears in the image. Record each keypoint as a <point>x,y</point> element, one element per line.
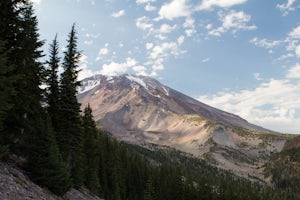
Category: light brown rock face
<point>142,110</point>
<point>15,185</point>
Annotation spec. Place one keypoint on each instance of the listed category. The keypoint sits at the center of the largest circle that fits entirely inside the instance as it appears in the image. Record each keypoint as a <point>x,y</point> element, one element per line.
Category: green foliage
<point>52,95</point>
<point>91,149</point>
<point>45,165</point>
<point>24,53</point>
<point>69,130</point>
<point>284,168</point>
<point>4,151</point>
<point>6,85</point>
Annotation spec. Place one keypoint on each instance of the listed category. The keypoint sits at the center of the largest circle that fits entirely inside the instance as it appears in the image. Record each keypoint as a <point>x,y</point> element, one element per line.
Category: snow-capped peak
<point>137,80</point>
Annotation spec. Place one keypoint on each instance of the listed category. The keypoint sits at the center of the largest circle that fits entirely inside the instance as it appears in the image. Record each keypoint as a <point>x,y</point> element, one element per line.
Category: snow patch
<point>97,92</point>
<point>138,81</point>
<point>88,85</point>
<point>166,91</point>
<point>109,78</point>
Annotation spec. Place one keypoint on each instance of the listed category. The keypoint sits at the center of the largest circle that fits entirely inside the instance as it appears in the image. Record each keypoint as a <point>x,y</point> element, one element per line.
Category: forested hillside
<point>59,147</point>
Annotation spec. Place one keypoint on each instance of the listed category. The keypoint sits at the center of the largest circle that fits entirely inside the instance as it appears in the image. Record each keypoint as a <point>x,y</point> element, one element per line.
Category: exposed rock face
<point>14,185</point>
<point>140,109</point>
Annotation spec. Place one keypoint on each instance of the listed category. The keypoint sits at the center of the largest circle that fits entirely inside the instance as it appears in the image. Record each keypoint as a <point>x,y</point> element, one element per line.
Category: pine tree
<point>6,84</point>
<point>6,94</point>
<point>91,150</point>
<point>45,164</point>
<point>10,26</point>
<point>53,84</point>
<point>24,55</point>
<point>69,133</point>
<point>150,191</point>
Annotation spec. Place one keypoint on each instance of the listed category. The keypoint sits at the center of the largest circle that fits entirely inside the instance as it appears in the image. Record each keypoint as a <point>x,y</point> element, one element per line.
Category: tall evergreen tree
<point>6,94</point>
<point>45,164</point>
<point>69,136</point>
<point>10,32</point>
<point>24,55</point>
<point>53,84</point>
<point>6,85</point>
<point>91,150</point>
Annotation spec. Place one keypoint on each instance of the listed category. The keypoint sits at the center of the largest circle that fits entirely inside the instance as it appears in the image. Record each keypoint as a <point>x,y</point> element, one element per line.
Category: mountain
<point>141,110</point>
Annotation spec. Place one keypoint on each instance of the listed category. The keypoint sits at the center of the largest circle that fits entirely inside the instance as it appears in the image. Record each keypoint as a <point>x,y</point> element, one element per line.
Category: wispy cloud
<point>149,7</point>
<point>294,72</point>
<point>144,1</point>
<point>88,42</point>
<point>36,1</point>
<point>83,66</point>
<point>234,21</point>
<point>119,13</point>
<point>189,26</point>
<point>273,104</point>
<point>265,43</point>
<point>295,33</point>
<point>286,8</point>
<point>257,76</point>
<point>209,4</point>
<point>205,60</point>
<point>102,52</point>
<point>91,35</point>
<point>143,23</point>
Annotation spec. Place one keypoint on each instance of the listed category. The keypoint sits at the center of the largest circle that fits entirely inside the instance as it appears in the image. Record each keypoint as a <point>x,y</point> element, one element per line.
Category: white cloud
<point>257,76</point>
<point>180,40</point>
<point>36,1</point>
<point>234,21</point>
<point>208,4</point>
<point>272,104</point>
<point>144,1</point>
<point>294,72</point>
<point>121,45</point>
<point>285,56</point>
<point>174,9</point>
<point>90,35</point>
<point>166,28</point>
<point>286,8</point>
<point>295,33</point>
<point>83,66</point>
<point>114,68</point>
<point>205,60</point>
<point>149,45</point>
<point>208,26</point>
<point>297,51</point>
<point>149,7</point>
<point>265,43</point>
<point>143,23</point>
<point>164,50</point>
<point>119,13</point>
<point>103,51</point>
<point>140,70</point>
<point>159,54</point>
<point>88,42</point>
<point>189,24</point>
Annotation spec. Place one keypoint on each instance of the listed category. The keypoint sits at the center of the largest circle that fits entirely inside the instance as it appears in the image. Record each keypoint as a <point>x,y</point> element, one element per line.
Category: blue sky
<point>241,56</point>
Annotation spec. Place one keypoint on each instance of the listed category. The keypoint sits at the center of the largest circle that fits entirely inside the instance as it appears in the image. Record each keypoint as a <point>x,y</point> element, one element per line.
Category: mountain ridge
<point>139,110</point>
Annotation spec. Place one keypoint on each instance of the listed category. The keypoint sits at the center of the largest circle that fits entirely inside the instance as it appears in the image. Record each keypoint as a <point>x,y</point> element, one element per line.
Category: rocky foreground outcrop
<point>15,185</point>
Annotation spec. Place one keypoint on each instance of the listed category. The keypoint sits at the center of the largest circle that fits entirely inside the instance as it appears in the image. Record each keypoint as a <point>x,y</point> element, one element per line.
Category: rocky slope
<point>142,110</point>
<point>14,185</point>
